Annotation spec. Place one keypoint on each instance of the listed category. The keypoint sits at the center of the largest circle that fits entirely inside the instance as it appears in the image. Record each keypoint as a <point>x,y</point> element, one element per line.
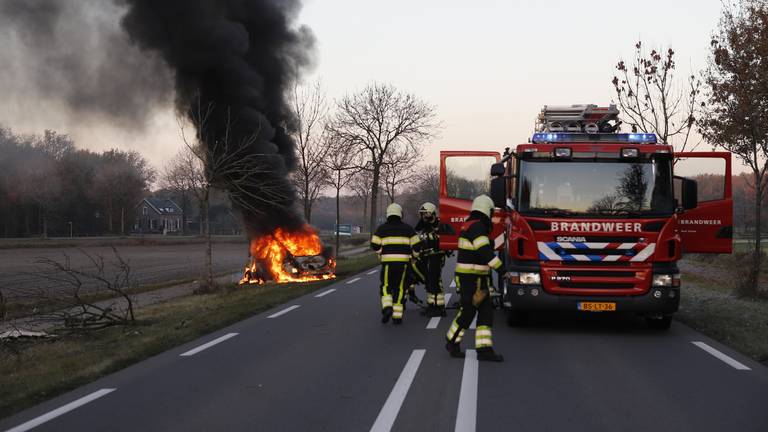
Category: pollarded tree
<point>736,115</point>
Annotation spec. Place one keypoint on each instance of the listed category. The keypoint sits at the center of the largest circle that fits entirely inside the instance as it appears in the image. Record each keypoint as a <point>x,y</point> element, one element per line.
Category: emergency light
<point>634,138</point>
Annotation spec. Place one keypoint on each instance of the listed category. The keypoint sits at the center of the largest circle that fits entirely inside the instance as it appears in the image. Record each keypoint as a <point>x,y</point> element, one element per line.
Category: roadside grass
<point>711,308</point>
<point>34,371</point>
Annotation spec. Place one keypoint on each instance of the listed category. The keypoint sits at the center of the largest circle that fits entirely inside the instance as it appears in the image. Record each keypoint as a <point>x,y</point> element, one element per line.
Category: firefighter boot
<point>487,354</point>
<point>454,350</point>
<point>397,321</point>
<point>386,314</point>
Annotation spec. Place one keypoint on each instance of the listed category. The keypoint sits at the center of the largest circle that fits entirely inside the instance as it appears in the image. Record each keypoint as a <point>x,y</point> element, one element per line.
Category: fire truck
<point>588,218</point>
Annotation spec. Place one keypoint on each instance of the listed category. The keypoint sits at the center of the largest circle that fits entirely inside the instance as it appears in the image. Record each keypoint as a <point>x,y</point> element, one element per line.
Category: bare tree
<point>653,100</point>
<point>250,179</point>
<point>185,175</point>
<point>736,115</point>
<point>310,110</point>
<point>400,169</point>
<point>360,185</point>
<point>380,120</point>
<point>341,163</point>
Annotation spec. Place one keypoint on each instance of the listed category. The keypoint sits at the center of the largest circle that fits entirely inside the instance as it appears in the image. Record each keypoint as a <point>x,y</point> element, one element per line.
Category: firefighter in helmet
<point>397,243</point>
<point>429,266</point>
<point>474,263</point>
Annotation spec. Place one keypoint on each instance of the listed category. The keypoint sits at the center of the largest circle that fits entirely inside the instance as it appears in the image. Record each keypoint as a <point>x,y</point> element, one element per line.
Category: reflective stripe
<point>415,239</point>
<point>395,241</point>
<point>495,263</point>
<point>481,241</point>
<point>376,240</point>
<point>478,269</point>
<point>483,342</point>
<point>479,332</point>
<point>440,299</point>
<point>386,301</point>
<point>466,244</point>
<point>395,258</point>
<point>483,337</point>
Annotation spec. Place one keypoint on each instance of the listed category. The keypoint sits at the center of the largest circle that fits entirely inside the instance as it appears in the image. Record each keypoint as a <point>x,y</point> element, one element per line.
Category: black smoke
<point>238,58</point>
<point>75,53</point>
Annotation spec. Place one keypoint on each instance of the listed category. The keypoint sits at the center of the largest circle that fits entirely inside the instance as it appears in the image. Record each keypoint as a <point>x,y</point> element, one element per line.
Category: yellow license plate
<point>597,306</point>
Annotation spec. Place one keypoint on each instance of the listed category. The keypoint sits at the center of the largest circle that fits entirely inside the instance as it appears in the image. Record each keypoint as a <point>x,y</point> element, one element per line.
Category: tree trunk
<point>122,221</point>
<point>208,245</point>
<point>338,219</point>
<point>307,203</point>
<point>374,197</point>
<point>44,220</point>
<point>754,276</point>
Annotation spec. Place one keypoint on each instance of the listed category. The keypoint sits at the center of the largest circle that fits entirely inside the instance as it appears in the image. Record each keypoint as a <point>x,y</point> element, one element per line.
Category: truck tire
<point>516,318</point>
<point>659,323</point>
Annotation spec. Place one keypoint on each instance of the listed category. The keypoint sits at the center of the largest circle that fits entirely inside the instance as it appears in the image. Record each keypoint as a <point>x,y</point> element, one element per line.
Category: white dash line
<point>466,417</point>
<point>730,361</point>
<point>372,271</point>
<point>204,346</point>
<point>391,407</point>
<point>453,283</point>
<point>37,421</point>
<point>325,293</point>
<point>351,281</point>
<point>435,321</point>
<point>284,311</point>
<point>473,326</point>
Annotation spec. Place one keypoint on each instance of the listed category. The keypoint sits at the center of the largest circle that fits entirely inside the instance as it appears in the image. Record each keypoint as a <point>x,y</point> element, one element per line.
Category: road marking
<point>37,421</point>
<point>466,417</point>
<point>453,283</point>
<point>473,326</point>
<point>284,311</point>
<point>435,321</point>
<point>353,280</point>
<point>391,407</point>
<point>372,271</point>
<point>208,345</point>
<point>731,362</point>
<point>325,293</point>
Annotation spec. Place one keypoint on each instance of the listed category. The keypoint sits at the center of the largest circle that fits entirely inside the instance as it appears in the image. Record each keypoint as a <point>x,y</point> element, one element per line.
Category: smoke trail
<point>238,57</point>
<point>74,52</point>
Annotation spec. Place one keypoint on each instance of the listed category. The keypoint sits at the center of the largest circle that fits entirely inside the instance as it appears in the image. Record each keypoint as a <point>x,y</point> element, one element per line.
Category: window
<point>709,175</point>
<point>468,176</point>
<point>144,211</point>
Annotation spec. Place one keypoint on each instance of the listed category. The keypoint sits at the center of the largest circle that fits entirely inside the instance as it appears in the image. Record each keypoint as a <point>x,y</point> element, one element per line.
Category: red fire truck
<point>588,219</point>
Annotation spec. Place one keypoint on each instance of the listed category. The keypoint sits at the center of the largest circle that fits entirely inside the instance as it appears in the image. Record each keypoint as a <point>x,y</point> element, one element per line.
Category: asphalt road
<point>20,272</point>
<point>324,362</point>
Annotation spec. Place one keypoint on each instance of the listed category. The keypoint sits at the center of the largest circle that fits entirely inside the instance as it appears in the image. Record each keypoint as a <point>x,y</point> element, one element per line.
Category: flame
<point>271,257</point>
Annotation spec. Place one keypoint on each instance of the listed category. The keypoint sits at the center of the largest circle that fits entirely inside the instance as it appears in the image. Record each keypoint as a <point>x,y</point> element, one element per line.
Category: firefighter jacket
<point>476,255</point>
<point>396,241</point>
<point>427,231</point>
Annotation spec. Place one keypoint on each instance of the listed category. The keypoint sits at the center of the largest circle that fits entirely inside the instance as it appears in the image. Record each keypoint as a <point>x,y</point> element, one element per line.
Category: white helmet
<point>395,210</point>
<point>483,204</point>
<point>428,207</point>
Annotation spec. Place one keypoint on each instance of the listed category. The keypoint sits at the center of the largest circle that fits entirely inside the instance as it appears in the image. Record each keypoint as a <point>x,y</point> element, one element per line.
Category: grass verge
<point>737,322</point>
<point>33,371</point>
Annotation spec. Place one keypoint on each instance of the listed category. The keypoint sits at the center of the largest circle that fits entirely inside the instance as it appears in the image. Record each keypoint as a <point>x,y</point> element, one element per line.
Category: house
<point>158,215</point>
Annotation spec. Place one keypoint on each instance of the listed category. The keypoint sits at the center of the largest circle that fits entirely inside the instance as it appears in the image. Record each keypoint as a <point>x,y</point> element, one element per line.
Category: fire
<point>289,256</point>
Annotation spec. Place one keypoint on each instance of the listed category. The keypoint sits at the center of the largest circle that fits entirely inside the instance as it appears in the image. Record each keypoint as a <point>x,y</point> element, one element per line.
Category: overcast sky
<point>488,66</point>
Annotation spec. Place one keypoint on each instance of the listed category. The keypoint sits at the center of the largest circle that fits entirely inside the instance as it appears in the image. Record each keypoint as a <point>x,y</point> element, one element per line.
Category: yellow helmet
<point>483,204</point>
<point>395,210</point>
<point>428,207</point>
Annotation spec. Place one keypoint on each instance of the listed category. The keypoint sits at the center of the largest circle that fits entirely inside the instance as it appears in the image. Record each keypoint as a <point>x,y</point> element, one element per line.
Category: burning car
<point>289,256</point>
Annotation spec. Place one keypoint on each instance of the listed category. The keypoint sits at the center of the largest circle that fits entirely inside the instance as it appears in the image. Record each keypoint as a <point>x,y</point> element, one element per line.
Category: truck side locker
<point>459,174</point>
<point>708,228</point>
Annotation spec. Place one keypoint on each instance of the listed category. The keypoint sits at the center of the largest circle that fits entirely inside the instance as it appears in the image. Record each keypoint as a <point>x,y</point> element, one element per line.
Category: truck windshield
<point>598,188</point>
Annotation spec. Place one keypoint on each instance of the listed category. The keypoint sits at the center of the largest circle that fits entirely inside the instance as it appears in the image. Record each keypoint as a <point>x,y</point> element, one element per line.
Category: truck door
<point>708,228</point>
<point>463,176</point>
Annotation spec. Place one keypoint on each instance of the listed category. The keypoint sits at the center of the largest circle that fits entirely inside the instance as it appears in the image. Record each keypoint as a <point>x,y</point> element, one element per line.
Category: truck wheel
<point>659,323</point>
<point>516,318</point>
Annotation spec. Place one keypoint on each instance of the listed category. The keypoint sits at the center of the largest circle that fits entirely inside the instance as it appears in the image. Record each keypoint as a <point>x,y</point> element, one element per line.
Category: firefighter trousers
<point>393,281</point>
<point>429,270</point>
<point>468,284</point>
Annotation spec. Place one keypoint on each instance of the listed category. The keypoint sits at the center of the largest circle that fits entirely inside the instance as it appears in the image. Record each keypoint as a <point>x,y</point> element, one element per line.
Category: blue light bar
<point>634,138</point>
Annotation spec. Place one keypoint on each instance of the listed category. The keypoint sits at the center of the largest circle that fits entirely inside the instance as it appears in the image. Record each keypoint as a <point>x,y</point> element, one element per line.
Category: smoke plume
<point>238,58</point>
<point>74,53</point>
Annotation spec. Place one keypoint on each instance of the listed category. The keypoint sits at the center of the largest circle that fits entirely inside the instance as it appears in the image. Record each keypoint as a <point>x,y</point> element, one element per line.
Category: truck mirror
<point>690,194</point>
<point>499,192</point>
<point>445,228</point>
<point>497,169</point>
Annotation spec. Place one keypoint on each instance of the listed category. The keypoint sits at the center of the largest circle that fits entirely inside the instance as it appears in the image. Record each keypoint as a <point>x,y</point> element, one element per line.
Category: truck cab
<point>588,219</point>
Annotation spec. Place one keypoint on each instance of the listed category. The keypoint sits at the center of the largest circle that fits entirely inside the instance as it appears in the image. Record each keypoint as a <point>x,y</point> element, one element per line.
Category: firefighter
<point>429,267</point>
<point>397,243</point>
<point>475,260</point>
